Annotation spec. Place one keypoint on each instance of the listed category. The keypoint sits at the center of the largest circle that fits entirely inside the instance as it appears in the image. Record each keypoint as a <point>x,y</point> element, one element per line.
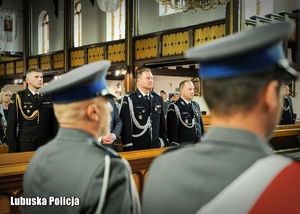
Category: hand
<point>109,139</point>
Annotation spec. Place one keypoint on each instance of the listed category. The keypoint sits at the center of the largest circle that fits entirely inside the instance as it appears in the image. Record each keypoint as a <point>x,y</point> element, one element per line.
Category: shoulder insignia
<point>195,103</point>
<point>154,93</point>
<point>131,94</point>
<point>20,92</point>
<point>171,105</point>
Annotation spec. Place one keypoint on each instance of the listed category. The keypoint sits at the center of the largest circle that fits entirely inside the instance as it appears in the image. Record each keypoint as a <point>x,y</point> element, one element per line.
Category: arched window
<point>45,34</point>
<point>77,25</point>
<point>116,23</point>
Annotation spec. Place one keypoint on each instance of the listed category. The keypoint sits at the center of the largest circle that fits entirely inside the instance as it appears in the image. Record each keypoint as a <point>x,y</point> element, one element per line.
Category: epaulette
<point>172,106</point>
<point>194,102</point>
<point>16,93</point>
<point>109,151</point>
<point>154,93</point>
<point>131,93</point>
<point>19,92</point>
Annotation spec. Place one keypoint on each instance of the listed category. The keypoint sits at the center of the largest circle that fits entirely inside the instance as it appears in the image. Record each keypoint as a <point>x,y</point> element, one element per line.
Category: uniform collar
<point>144,93</point>
<point>33,93</point>
<point>186,102</point>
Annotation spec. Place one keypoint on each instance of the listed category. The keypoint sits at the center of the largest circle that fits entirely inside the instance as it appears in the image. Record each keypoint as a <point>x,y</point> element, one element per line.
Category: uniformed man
<point>74,172</point>
<point>143,117</point>
<point>30,122</point>
<point>184,122</point>
<point>242,75</point>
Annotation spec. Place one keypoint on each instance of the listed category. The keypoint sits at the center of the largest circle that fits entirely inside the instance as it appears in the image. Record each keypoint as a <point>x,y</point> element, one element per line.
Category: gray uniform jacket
<point>72,165</point>
<point>183,180</point>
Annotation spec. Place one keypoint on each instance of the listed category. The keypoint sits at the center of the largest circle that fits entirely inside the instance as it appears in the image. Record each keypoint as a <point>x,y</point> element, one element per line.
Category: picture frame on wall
<point>197,84</point>
<point>291,84</point>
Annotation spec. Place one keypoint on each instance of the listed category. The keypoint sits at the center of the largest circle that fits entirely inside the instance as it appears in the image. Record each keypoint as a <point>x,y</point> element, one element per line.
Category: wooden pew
<point>286,141</point>
<point>206,120</point>
<point>3,149</point>
<point>13,166</point>
<point>207,124</point>
<point>291,126</point>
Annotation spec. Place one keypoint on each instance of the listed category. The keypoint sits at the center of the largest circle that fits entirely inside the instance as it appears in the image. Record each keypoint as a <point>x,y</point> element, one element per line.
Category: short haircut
<point>182,84</point>
<point>140,72</point>
<point>30,70</point>
<point>225,96</point>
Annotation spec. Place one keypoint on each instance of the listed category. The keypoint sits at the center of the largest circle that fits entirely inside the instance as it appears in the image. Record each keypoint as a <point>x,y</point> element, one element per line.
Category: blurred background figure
<point>5,96</point>
<point>161,93</point>
<point>118,96</point>
<point>287,116</point>
<point>166,102</point>
<point>115,123</point>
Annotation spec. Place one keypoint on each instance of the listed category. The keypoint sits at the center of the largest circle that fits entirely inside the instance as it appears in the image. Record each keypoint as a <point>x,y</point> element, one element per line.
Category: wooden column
<point>68,5</point>
<point>296,51</point>
<point>27,33</point>
<point>129,27</point>
<point>232,17</point>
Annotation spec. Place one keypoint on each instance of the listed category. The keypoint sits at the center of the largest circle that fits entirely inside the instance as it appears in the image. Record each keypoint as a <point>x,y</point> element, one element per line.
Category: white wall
<point>13,88</point>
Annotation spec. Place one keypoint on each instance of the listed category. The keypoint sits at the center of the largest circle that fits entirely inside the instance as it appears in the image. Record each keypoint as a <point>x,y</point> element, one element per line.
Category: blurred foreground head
<point>244,70</point>
<point>80,98</point>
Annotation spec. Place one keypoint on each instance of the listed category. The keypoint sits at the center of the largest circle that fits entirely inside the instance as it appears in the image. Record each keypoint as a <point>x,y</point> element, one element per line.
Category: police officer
<point>287,115</point>
<point>74,165</point>
<point>242,76</point>
<point>31,121</point>
<point>184,122</point>
<point>142,112</point>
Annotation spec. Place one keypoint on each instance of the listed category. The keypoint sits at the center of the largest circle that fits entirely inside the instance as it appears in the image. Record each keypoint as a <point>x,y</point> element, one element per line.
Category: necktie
<point>36,96</point>
<point>147,98</point>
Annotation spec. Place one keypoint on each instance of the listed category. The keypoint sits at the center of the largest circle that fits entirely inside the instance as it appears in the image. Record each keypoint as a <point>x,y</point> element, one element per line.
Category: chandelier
<point>193,5</point>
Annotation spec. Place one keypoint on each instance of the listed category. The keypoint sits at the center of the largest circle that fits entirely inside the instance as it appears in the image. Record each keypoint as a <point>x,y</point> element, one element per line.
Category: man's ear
<point>92,112</point>
<point>271,95</point>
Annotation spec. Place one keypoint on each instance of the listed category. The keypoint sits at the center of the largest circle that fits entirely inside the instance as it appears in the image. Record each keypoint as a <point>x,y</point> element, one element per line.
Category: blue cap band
<point>80,93</point>
<point>242,64</point>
